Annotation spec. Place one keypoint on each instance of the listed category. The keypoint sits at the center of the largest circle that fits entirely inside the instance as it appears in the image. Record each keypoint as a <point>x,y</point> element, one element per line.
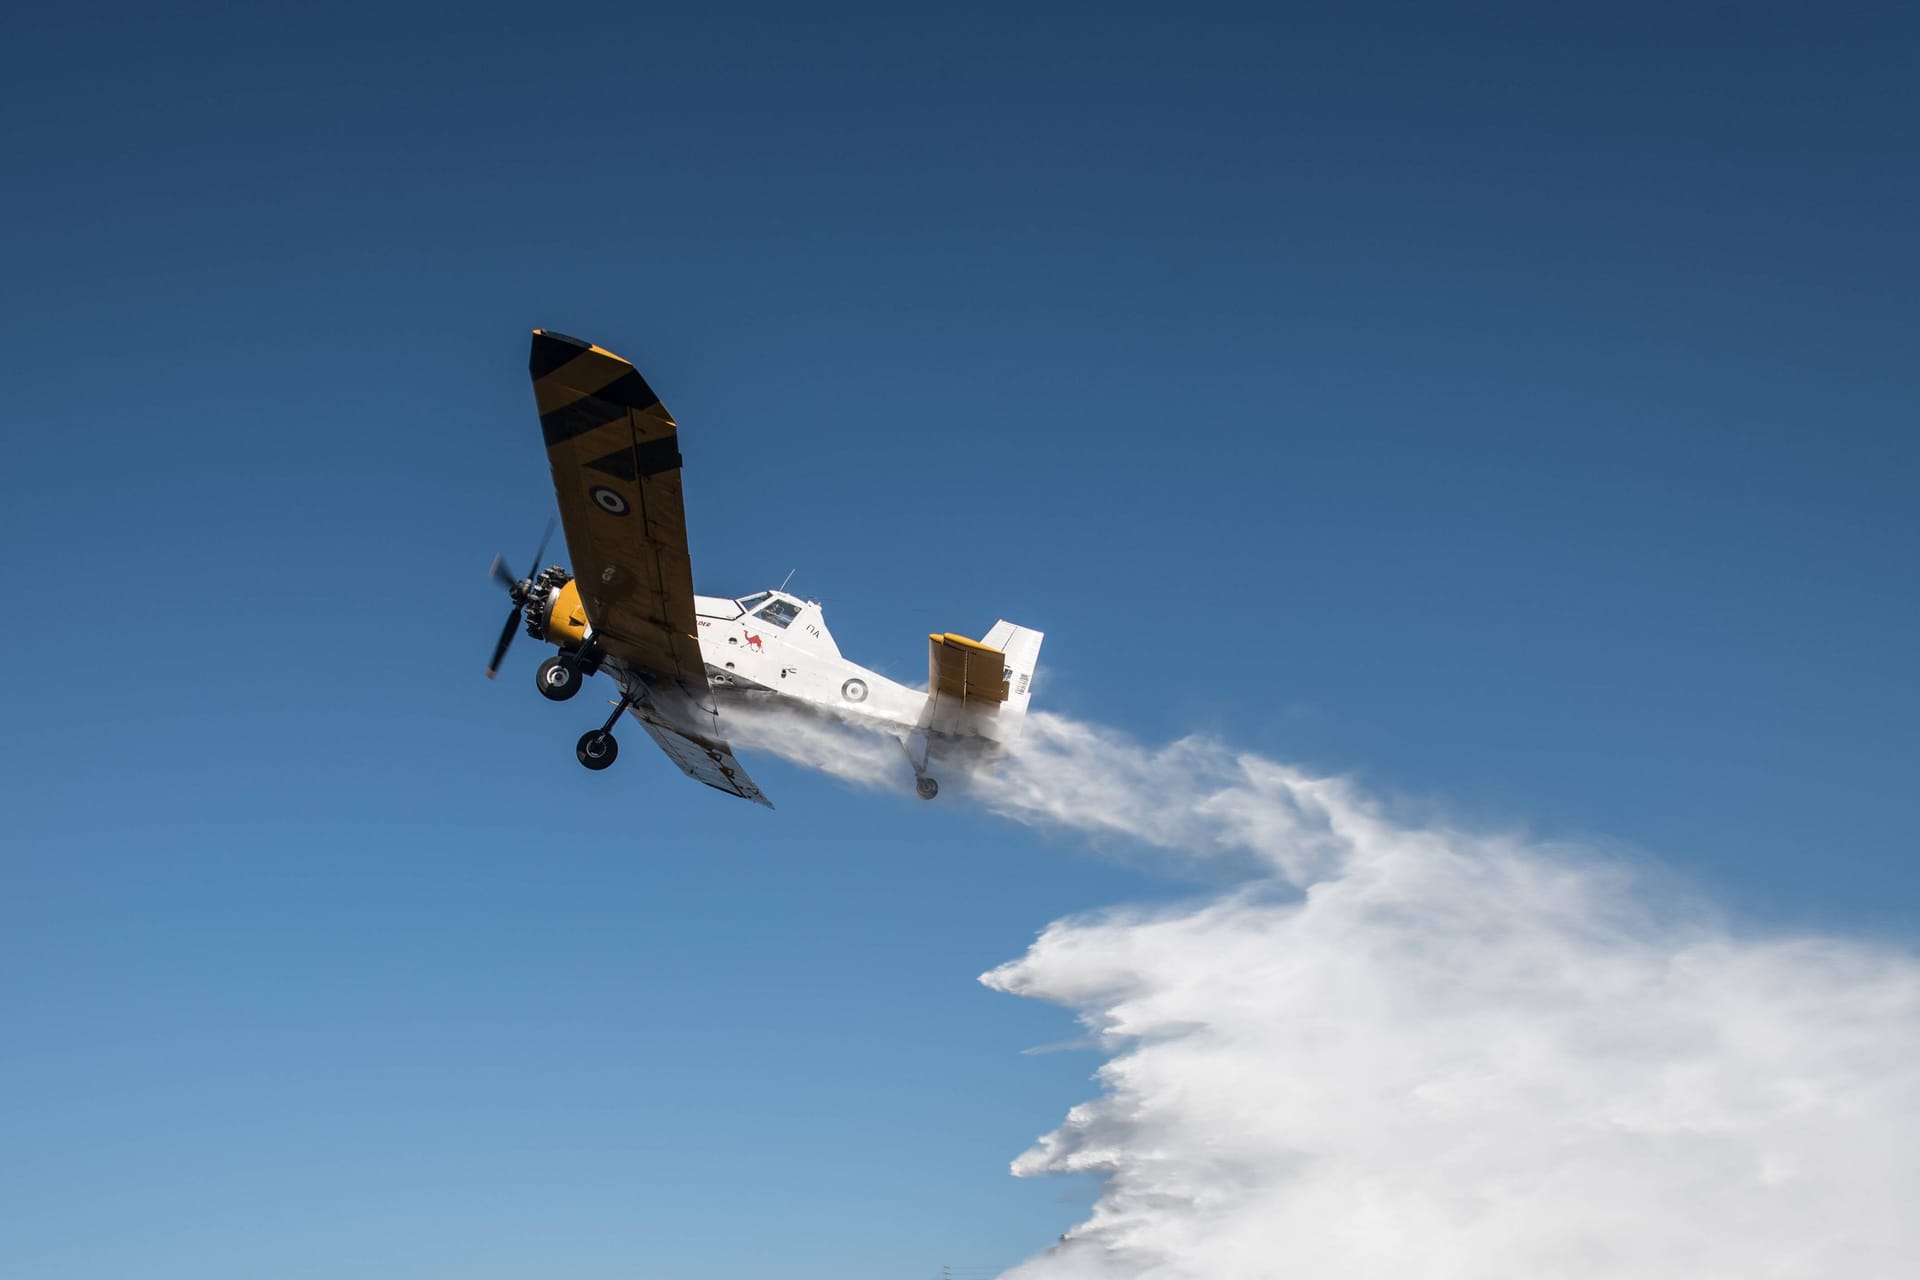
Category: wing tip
<point>552,338</point>
<point>551,349</point>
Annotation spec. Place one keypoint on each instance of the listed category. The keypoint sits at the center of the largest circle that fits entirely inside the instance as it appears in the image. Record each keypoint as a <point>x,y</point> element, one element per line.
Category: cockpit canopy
<point>776,608</point>
<point>798,621</point>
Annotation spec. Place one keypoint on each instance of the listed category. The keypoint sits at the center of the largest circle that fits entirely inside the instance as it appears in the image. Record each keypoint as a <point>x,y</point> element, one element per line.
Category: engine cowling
<point>554,611</point>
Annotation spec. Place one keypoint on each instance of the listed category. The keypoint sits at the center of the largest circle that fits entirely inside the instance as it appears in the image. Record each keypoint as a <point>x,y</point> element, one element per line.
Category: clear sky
<point>1515,408</point>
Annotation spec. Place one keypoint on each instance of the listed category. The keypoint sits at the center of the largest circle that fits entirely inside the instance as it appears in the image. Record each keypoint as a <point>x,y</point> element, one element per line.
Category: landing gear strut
<point>923,784</point>
<point>596,748</point>
<point>558,679</point>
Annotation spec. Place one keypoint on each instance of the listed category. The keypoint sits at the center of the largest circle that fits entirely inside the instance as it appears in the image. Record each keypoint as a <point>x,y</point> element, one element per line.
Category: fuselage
<point>772,643</point>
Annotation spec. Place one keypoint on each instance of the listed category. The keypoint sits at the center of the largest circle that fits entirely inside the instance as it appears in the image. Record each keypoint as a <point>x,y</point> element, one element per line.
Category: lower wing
<point>704,759</point>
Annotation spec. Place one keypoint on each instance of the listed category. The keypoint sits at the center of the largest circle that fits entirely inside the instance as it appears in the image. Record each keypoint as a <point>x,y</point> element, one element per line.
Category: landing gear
<point>558,679</point>
<point>596,749</point>
<point>924,785</point>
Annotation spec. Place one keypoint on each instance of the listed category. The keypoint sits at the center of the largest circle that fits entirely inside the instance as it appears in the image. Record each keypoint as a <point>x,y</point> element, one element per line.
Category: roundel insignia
<point>854,690</point>
<point>608,500</point>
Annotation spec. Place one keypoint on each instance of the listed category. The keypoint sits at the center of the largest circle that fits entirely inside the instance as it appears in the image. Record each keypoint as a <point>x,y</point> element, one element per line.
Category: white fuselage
<point>771,643</point>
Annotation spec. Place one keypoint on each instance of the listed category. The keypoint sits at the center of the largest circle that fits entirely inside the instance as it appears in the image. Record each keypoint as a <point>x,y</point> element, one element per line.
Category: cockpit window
<point>779,613</point>
<point>753,602</point>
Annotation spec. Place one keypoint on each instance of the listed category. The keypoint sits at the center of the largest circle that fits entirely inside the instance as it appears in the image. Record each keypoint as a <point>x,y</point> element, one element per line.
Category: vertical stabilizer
<point>1022,647</point>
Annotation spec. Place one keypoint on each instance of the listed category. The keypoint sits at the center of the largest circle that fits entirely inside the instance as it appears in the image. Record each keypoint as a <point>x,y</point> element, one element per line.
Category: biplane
<point>678,660</point>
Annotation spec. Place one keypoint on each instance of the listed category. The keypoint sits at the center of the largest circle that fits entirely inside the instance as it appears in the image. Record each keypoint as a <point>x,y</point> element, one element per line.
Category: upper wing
<point>704,759</point>
<point>616,469</point>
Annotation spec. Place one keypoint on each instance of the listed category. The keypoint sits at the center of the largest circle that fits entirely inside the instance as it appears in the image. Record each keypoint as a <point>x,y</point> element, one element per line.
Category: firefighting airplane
<point>678,659</point>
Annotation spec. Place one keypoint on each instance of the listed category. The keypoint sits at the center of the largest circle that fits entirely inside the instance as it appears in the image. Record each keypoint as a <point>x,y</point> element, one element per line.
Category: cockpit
<point>771,607</point>
<point>797,622</point>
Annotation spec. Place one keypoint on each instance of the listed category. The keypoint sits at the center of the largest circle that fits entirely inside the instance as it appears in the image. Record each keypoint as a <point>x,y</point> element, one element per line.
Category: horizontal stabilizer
<point>965,669</point>
<point>979,689</point>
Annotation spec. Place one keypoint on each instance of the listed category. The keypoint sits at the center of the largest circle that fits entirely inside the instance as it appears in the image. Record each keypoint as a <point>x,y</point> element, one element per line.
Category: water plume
<point>1399,1048</point>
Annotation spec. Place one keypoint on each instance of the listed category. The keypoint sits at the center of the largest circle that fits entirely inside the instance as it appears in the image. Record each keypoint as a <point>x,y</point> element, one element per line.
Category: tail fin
<point>979,689</point>
<point>1022,647</point>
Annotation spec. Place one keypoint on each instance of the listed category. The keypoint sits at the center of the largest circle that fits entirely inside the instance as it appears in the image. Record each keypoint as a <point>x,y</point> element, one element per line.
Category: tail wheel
<point>926,786</point>
<point>596,749</point>
<point>558,679</point>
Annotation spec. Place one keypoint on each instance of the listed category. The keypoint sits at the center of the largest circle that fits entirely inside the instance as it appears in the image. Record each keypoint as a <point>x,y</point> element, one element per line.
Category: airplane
<point>680,660</point>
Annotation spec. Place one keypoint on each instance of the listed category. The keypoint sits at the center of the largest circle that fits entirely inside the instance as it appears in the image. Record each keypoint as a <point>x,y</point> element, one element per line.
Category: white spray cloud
<point>1403,1051</point>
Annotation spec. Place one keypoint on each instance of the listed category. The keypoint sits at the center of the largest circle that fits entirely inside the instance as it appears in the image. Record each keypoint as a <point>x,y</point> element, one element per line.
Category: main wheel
<point>558,679</point>
<point>596,749</point>
<point>926,786</point>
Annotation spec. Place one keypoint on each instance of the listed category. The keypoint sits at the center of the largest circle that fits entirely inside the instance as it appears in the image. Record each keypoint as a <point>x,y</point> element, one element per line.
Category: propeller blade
<point>500,574</point>
<point>544,539</point>
<point>506,638</point>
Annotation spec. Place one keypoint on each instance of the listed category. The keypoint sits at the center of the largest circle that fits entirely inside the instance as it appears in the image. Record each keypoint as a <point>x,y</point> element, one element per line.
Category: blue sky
<point>1513,408</point>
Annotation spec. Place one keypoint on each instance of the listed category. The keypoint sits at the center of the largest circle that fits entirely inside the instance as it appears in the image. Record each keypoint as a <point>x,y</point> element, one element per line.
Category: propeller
<point>519,590</point>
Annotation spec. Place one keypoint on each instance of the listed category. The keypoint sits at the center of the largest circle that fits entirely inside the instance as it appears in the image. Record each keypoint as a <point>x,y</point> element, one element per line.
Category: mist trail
<point>1414,1051</point>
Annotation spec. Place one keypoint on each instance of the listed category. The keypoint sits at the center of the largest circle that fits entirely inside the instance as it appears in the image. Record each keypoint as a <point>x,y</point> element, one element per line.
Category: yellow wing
<point>616,468</point>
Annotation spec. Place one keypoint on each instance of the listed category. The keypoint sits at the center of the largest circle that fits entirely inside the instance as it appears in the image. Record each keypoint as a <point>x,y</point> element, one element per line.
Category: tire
<point>926,786</point>
<point>558,679</point>
<point>596,750</point>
